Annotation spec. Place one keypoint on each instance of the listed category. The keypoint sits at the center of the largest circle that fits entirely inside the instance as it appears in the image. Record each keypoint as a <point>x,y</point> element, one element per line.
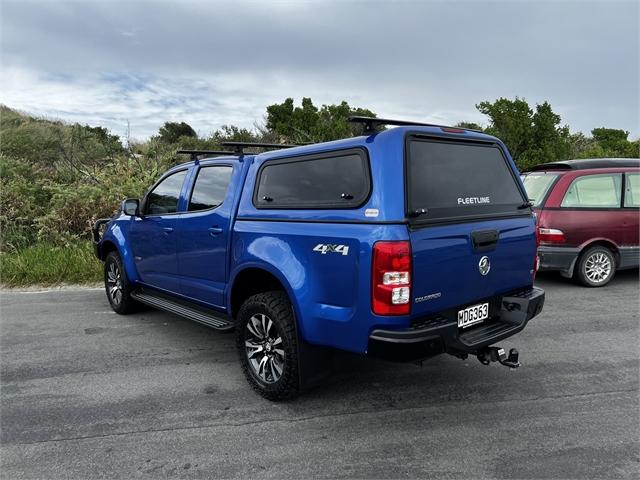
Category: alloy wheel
<point>597,267</point>
<point>264,348</point>
<point>114,283</point>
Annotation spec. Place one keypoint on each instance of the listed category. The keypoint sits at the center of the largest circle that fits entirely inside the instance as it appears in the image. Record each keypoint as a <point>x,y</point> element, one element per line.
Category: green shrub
<point>57,178</point>
<point>46,264</point>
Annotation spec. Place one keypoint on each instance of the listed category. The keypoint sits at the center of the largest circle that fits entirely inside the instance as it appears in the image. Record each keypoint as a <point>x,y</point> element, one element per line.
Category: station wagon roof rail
<point>587,163</point>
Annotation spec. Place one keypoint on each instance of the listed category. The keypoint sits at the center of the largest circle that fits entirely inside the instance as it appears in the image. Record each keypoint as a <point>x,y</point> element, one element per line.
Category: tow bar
<point>497,354</point>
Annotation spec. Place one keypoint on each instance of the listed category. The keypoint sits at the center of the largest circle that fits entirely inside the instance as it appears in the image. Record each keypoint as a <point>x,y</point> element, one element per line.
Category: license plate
<point>472,315</point>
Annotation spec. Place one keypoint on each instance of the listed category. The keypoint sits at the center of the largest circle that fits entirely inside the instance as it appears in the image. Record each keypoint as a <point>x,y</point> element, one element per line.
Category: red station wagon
<point>588,216</point>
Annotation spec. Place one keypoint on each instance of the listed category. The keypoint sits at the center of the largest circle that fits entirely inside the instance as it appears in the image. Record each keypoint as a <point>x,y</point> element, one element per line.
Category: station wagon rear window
<point>454,180</point>
<point>537,185</point>
<point>328,180</point>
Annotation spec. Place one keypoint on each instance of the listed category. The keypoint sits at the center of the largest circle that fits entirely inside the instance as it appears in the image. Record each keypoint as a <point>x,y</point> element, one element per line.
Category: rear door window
<point>632,190</point>
<point>210,187</point>
<point>594,191</point>
<point>163,199</point>
<point>329,180</point>
<point>449,181</point>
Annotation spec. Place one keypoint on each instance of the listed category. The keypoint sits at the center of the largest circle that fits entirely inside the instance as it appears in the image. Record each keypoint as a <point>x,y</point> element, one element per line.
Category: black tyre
<point>117,285</point>
<point>268,345</point>
<point>596,267</point>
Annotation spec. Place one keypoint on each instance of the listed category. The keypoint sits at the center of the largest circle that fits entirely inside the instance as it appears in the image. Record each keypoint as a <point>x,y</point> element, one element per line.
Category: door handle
<point>213,231</point>
<point>167,229</point>
<point>484,240</point>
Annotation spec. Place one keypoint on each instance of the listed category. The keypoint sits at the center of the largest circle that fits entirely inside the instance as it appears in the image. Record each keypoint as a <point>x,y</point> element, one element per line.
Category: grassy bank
<point>44,264</point>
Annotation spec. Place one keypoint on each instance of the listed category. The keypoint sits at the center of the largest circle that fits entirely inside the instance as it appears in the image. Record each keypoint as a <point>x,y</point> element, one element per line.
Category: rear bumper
<point>439,334</point>
<point>558,258</point>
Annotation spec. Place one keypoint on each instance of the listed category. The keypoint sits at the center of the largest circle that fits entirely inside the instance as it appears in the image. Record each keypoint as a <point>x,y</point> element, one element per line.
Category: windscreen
<point>449,180</point>
<point>537,186</point>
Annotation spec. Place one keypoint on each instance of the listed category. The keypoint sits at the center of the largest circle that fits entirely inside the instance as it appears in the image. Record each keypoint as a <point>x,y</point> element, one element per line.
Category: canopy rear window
<point>456,180</point>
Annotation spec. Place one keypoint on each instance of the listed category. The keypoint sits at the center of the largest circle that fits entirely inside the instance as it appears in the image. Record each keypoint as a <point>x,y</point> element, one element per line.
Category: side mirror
<point>131,207</point>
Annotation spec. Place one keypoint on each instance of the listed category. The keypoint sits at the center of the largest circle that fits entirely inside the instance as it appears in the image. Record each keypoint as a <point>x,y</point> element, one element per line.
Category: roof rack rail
<point>238,147</point>
<point>370,124</point>
<point>195,153</point>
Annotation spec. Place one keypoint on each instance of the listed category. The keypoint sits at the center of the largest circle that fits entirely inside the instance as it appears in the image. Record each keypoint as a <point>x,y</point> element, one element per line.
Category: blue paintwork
<point>203,237</point>
<point>331,294</point>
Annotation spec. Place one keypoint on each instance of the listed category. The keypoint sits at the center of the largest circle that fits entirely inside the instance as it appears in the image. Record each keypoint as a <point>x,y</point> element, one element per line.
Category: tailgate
<point>466,202</point>
<point>446,265</point>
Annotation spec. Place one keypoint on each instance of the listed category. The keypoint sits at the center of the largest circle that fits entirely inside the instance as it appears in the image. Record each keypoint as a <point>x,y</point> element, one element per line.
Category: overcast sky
<point>214,63</point>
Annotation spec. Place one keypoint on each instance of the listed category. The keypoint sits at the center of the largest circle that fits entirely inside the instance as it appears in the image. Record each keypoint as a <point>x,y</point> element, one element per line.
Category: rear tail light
<point>391,278</point>
<point>550,235</point>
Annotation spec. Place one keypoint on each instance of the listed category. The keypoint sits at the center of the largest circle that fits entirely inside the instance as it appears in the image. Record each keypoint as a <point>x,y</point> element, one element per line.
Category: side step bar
<point>197,314</point>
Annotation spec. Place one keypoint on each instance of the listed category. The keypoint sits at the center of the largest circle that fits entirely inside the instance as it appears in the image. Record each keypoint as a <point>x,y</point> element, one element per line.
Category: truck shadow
<point>362,382</point>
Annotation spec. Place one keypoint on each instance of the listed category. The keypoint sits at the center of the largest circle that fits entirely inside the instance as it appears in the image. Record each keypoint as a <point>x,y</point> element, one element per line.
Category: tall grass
<point>44,264</point>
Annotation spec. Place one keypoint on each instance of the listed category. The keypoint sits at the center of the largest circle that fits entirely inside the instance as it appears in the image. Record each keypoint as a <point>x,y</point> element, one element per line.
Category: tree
<point>550,141</point>
<point>611,139</point>
<point>511,121</point>
<point>470,126</point>
<point>232,133</point>
<point>171,132</point>
<point>532,137</point>
<point>308,123</point>
<point>604,142</point>
<point>579,143</point>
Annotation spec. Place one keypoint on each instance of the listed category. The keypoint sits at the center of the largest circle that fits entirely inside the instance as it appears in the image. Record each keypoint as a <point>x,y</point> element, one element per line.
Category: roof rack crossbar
<point>238,147</point>
<point>370,124</point>
<point>196,153</point>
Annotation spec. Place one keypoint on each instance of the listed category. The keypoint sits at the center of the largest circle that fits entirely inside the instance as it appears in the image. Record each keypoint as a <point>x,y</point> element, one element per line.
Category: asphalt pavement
<point>86,393</point>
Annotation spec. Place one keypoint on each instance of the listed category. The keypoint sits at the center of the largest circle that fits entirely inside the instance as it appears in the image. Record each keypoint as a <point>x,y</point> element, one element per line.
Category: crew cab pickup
<point>404,243</point>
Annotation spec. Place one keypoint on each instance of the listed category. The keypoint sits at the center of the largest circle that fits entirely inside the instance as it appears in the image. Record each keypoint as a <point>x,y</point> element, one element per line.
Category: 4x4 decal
<point>329,248</point>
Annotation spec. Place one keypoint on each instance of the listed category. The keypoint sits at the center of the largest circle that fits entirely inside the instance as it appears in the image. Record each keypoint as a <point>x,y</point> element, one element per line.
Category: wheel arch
<point>603,242</point>
<point>113,241</point>
<point>106,247</point>
<point>254,278</point>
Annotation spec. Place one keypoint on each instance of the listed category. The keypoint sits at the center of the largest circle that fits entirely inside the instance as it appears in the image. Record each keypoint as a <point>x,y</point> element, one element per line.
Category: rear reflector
<point>391,278</point>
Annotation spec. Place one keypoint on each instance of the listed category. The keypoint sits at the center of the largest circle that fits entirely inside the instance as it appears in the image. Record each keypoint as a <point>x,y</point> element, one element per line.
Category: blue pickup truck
<point>403,244</point>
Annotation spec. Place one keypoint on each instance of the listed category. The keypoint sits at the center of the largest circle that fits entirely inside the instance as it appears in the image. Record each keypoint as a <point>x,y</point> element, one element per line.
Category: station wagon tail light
<point>551,235</point>
<point>391,278</point>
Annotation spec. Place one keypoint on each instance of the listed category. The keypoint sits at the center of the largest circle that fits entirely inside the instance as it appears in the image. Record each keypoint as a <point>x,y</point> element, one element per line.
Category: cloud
<point>214,63</point>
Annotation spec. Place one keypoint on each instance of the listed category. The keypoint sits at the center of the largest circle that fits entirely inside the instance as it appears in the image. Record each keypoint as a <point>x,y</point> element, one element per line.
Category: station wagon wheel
<point>267,344</point>
<point>117,285</point>
<point>596,267</point>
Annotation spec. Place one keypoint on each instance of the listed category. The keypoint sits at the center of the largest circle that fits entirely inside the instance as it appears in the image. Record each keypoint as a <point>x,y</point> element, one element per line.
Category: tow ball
<point>497,354</point>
